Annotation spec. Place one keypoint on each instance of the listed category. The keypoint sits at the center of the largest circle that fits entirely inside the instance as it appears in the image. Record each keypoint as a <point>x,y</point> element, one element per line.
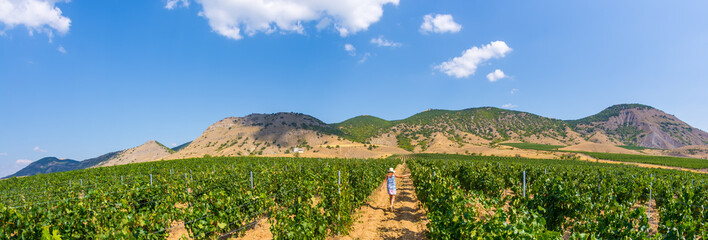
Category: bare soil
<point>376,221</point>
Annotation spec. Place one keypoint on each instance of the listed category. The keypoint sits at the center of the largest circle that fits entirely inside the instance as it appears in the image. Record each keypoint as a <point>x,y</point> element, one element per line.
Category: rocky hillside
<point>639,125</point>
<point>149,151</point>
<point>474,130</point>
<point>275,134</point>
<point>469,126</point>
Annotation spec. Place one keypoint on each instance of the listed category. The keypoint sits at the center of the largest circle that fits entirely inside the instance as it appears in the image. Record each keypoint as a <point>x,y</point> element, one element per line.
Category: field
<point>693,163</point>
<point>464,197</point>
<point>634,147</point>
<point>470,197</point>
<point>206,198</point>
<point>533,146</point>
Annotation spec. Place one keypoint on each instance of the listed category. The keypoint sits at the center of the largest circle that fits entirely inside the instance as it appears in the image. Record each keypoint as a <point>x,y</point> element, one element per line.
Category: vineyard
<point>208,197</point>
<point>514,198</point>
<point>694,163</point>
<point>465,197</point>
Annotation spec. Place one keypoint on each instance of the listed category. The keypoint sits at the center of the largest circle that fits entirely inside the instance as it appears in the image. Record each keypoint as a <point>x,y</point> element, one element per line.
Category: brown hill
<point>149,151</point>
<point>276,135</point>
<point>640,125</point>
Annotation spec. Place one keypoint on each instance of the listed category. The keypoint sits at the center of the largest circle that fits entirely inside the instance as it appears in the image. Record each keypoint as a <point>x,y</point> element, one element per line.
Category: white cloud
<point>509,105</point>
<point>23,161</point>
<point>41,16</point>
<point>441,23</point>
<point>171,4</point>
<point>232,18</point>
<point>496,75</point>
<point>350,49</point>
<point>61,49</point>
<point>173,144</point>
<point>37,149</point>
<point>466,65</point>
<point>366,57</point>
<point>382,42</point>
<point>514,91</point>
<point>3,154</point>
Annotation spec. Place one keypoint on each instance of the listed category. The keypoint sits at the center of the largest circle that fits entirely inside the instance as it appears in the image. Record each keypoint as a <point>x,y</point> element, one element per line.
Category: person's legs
<point>393,198</point>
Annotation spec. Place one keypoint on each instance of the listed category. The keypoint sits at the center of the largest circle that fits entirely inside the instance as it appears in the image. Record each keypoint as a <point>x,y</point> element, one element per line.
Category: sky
<point>82,78</point>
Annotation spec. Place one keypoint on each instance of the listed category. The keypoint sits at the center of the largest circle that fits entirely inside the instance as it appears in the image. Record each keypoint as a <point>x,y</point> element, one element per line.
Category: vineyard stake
<point>251,179</point>
<point>524,183</point>
<point>121,179</point>
<point>339,181</point>
<point>649,209</point>
<point>69,182</point>
<point>81,182</point>
<point>150,179</point>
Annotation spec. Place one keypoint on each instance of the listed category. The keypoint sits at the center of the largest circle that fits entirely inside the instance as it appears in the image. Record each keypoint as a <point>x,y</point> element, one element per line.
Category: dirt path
<point>376,221</point>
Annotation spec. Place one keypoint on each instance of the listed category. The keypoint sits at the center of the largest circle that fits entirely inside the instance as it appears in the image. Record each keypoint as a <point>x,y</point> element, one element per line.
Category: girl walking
<point>390,181</point>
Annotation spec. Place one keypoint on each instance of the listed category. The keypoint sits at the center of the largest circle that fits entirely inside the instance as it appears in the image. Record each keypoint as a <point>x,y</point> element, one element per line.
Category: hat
<point>391,170</point>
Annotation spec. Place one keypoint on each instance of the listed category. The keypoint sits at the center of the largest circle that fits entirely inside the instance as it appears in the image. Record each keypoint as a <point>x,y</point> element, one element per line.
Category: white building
<point>298,150</point>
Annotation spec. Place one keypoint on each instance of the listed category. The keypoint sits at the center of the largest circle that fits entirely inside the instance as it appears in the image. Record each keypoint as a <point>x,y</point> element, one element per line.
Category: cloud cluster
<point>37,149</point>
<point>509,105</point>
<point>23,161</point>
<point>466,65</point>
<point>350,49</point>
<point>496,75</point>
<point>37,15</point>
<point>514,91</point>
<point>232,18</point>
<point>382,42</point>
<point>3,154</point>
<point>440,23</point>
<point>171,4</point>
<point>61,49</point>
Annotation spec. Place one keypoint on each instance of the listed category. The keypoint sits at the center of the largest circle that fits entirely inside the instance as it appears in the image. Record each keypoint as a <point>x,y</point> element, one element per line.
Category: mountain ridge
<point>470,130</point>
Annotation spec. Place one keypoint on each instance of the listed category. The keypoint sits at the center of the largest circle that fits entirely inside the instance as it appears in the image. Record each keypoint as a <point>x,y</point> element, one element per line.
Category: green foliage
<point>404,142</point>
<point>361,128</point>
<point>606,114</point>
<point>463,200</point>
<point>630,147</point>
<point>534,146</point>
<point>694,163</point>
<point>211,196</point>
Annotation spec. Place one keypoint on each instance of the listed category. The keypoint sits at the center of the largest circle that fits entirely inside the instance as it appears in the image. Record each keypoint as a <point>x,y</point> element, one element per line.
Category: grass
<point>693,163</point>
<point>634,147</point>
<point>533,146</point>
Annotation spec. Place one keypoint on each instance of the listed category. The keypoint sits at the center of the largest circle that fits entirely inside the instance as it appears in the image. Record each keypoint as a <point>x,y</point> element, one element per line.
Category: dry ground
<point>376,221</point>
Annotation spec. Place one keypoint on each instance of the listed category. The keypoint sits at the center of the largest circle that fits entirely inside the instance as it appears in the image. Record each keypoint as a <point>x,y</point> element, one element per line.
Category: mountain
<point>639,125</point>
<point>47,165</point>
<point>180,147</point>
<point>273,134</point>
<point>623,128</point>
<point>469,126</point>
<point>150,151</point>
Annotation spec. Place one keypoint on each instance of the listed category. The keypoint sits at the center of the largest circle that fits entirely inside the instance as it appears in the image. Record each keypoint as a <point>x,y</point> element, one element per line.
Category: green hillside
<point>486,122</point>
<point>361,128</point>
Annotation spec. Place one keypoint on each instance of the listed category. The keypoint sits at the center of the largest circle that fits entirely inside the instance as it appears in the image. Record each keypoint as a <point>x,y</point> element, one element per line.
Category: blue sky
<point>82,78</point>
